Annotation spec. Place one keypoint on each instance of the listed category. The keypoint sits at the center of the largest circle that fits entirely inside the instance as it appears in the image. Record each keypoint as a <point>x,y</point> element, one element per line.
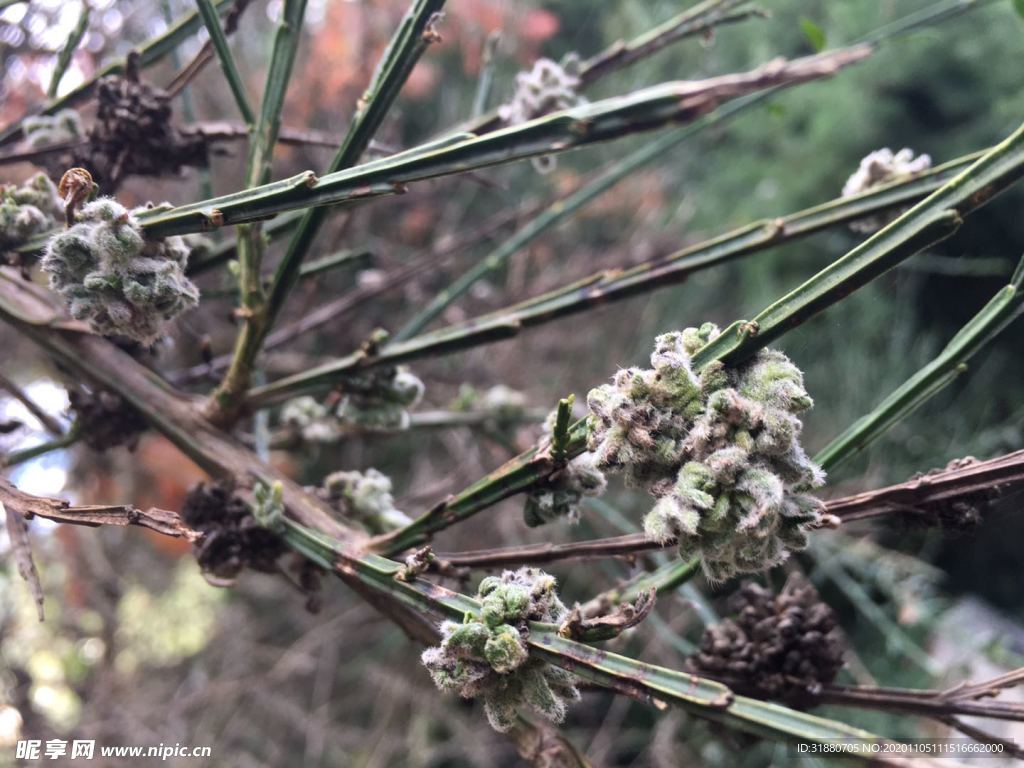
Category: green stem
<point>558,132</point>
<point>934,219</point>
<point>227,61</point>
<point>653,684</point>
<point>994,317</point>
<point>485,83</point>
<point>564,208</point>
<point>605,287</point>
<point>68,51</point>
<point>14,458</point>
<point>226,399</point>
<point>410,40</point>
<point>698,20</point>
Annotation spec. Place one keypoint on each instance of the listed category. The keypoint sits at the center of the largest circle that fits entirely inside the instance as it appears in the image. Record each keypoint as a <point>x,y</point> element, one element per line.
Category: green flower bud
<point>718,449</point>
<point>115,278</point>
<point>505,650</point>
<point>490,659</point>
<point>365,497</point>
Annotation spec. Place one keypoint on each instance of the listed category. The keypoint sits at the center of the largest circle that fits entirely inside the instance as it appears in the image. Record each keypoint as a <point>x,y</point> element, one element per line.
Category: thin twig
<point>50,424</point>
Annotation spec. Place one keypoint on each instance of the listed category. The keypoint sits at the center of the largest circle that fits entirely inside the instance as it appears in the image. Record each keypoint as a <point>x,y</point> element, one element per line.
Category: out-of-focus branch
<point>50,424</point>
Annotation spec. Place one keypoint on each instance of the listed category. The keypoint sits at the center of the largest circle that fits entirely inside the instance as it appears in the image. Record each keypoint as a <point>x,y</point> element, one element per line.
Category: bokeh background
<point>138,649</point>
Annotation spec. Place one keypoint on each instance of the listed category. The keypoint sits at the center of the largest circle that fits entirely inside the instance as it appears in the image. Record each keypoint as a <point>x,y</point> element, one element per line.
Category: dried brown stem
<point>162,521</point>
<point>21,551</point>
<point>963,478</point>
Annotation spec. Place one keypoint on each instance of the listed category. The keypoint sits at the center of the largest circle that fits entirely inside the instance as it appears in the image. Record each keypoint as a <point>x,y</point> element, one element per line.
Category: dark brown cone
<point>777,647</point>
<point>232,539</point>
<point>133,135</point>
<point>105,420</point>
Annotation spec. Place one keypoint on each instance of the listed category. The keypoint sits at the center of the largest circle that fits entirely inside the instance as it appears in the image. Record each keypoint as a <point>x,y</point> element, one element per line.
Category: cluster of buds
<point>28,211</point>
<point>311,419</point>
<point>114,277</point>
<point>64,127</point>
<point>380,399</point>
<point>883,167</point>
<point>548,87</point>
<point>366,498</point>
<point>559,497</point>
<point>719,449</point>
<point>778,647</point>
<point>503,402</point>
<point>487,656</point>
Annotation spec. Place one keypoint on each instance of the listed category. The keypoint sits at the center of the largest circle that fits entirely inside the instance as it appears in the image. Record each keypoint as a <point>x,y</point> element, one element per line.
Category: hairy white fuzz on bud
<point>487,656</point>
<point>718,449</point>
<point>115,278</point>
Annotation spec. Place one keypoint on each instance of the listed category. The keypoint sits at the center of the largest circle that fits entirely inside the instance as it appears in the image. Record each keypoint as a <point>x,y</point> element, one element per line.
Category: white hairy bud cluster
<point>380,399</point>
<point>880,167</point>
<point>486,656</point>
<point>28,210</point>
<point>548,86</point>
<point>116,278</point>
<point>719,449</point>
<point>366,498</point>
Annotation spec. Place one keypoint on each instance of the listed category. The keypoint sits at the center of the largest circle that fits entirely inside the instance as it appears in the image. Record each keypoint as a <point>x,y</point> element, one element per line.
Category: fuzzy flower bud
<point>28,211</point>
<point>381,399</point>
<point>365,497</point>
<point>64,127</point>
<point>878,168</point>
<point>719,450</point>
<point>548,87</point>
<point>561,495</point>
<point>311,419</point>
<point>489,658</point>
<point>115,278</point>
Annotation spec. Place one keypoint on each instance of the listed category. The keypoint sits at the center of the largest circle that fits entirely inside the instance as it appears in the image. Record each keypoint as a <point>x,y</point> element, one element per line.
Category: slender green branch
<point>68,50</point>
<point>560,434</point>
<point>227,61</point>
<point>698,20</point>
<point>226,398</point>
<point>411,39</point>
<point>645,682</point>
<point>994,317</point>
<point>228,249</point>
<point>150,52</point>
<point>935,218</point>
<point>485,83</point>
<point>605,287</point>
<point>566,207</point>
<point>558,132</point>
<point>66,440</point>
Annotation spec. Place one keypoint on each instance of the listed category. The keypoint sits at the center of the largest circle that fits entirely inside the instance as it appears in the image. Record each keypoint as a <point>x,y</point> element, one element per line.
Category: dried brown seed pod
<point>783,646</point>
